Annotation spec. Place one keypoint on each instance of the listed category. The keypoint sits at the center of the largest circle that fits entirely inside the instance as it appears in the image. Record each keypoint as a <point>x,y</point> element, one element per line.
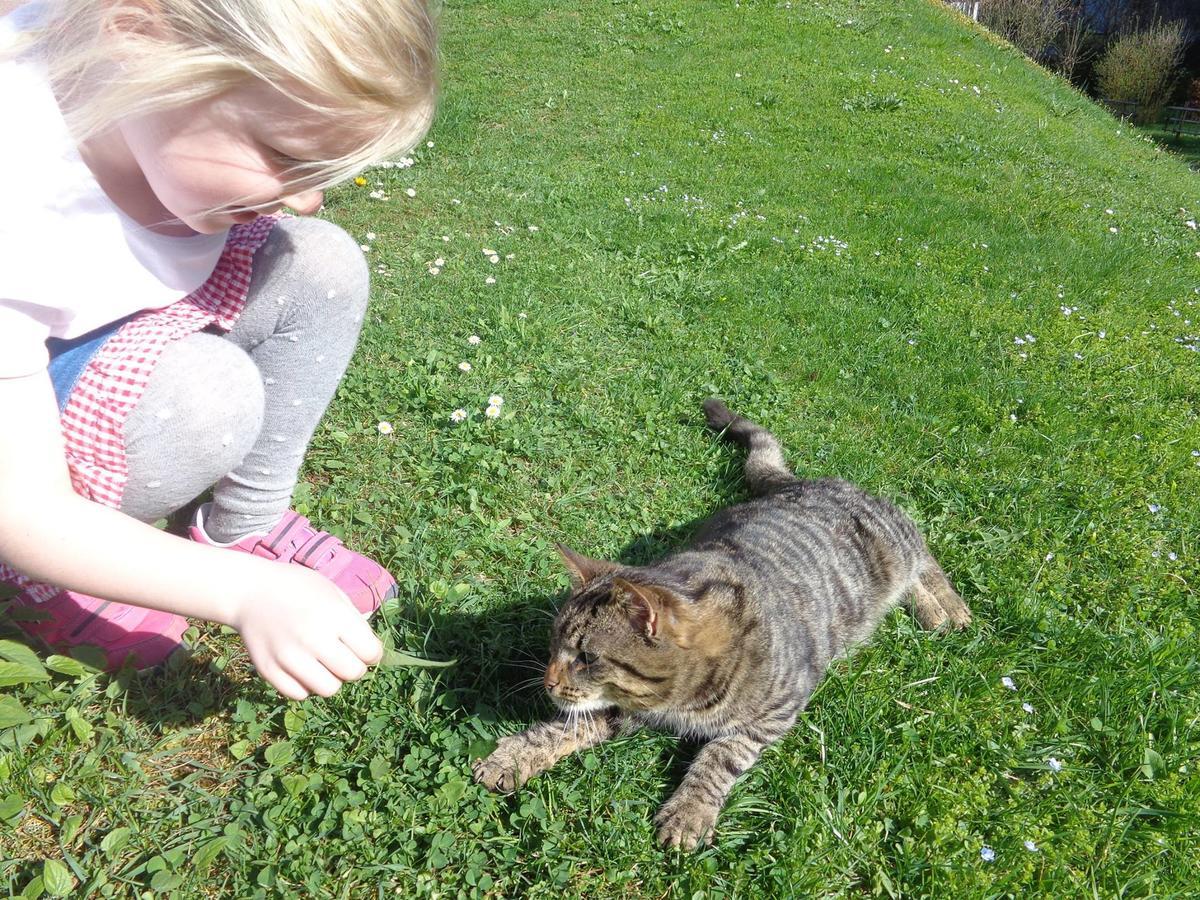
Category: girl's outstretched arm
<point>303,635</point>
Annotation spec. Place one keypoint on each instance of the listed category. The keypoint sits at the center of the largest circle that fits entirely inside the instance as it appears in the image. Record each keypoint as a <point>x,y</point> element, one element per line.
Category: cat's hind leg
<point>519,757</point>
<point>933,601</point>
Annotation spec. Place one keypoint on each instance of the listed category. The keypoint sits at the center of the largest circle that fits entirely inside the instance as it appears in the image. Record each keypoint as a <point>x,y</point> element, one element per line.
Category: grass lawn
<point>928,266</point>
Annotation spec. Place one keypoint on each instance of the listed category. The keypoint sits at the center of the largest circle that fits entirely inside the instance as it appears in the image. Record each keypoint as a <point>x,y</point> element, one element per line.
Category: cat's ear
<point>652,611</point>
<point>639,604</point>
<point>582,569</point>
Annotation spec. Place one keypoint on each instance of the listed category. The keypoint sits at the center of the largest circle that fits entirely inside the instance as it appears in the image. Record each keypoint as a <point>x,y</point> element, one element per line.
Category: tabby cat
<point>726,638</point>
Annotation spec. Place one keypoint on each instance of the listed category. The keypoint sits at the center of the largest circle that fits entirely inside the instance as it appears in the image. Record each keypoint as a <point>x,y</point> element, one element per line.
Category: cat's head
<point>620,641</point>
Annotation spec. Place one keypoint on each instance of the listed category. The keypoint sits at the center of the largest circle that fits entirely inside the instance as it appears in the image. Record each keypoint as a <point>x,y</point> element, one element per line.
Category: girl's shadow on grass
<point>182,692</point>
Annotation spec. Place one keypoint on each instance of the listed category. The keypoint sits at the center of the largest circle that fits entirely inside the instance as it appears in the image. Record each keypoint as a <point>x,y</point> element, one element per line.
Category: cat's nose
<point>553,676</point>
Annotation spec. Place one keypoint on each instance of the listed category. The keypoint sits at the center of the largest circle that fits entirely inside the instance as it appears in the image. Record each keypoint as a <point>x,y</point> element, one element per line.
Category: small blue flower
<point>987,854</point>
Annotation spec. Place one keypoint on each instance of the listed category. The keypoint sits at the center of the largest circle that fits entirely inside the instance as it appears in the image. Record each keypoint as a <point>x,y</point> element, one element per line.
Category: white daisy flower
<point>492,412</point>
<point>474,340</point>
<point>495,400</point>
<point>439,262</point>
<point>494,259</point>
<point>489,280</point>
<point>370,235</point>
<point>411,192</point>
<point>385,428</point>
<point>1008,683</point>
<point>464,366</point>
<point>459,415</point>
<point>434,270</point>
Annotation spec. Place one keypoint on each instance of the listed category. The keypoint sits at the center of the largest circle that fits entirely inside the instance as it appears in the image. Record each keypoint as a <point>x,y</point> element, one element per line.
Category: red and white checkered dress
<point>93,421</point>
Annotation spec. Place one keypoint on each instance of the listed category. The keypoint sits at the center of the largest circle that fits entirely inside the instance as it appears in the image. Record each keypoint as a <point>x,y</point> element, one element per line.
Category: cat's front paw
<point>507,768</point>
<point>686,823</point>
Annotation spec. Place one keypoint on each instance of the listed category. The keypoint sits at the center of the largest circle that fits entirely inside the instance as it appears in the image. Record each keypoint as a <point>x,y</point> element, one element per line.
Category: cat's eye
<point>586,659</point>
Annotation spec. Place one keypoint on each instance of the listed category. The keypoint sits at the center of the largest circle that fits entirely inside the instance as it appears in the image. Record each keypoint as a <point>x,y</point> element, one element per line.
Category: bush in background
<point>1032,25</point>
<point>1143,68</point>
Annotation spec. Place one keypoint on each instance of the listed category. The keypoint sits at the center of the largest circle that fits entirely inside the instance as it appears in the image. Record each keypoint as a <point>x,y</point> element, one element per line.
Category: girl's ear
<point>141,17</point>
<point>582,569</point>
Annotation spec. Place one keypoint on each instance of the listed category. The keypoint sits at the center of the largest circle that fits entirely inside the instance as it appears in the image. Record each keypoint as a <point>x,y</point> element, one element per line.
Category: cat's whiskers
<point>529,666</point>
<point>572,726</point>
<point>521,687</point>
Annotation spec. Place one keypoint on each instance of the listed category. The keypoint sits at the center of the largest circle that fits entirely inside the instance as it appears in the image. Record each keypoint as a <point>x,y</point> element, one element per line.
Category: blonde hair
<point>358,62</point>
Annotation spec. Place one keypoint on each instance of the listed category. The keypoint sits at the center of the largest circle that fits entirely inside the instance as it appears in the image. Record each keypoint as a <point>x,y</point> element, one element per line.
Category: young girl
<point>162,330</point>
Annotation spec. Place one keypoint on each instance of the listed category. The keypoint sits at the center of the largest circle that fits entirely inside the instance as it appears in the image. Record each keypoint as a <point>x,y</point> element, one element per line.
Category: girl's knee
<point>201,413</point>
<point>334,263</point>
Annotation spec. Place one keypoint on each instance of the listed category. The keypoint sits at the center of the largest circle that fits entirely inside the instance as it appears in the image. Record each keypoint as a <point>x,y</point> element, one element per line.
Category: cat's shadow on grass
<point>501,652</point>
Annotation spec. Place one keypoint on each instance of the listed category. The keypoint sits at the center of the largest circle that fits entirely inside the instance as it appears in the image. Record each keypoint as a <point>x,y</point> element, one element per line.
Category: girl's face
<point>232,153</point>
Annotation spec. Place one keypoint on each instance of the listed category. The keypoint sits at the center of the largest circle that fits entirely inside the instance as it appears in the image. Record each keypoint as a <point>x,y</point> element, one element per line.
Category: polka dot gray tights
<point>237,411</point>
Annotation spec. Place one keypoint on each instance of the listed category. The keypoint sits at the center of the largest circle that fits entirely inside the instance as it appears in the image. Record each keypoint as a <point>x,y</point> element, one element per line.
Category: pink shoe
<point>294,540</point>
<point>144,636</point>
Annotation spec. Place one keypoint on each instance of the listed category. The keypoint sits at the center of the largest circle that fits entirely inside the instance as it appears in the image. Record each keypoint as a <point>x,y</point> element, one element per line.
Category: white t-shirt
<point>70,260</point>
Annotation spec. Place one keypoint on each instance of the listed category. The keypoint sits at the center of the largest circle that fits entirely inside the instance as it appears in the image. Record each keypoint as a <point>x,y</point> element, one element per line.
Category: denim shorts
<point>68,358</point>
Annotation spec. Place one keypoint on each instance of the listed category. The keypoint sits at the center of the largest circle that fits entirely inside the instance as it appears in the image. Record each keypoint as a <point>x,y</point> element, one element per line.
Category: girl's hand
<point>304,635</point>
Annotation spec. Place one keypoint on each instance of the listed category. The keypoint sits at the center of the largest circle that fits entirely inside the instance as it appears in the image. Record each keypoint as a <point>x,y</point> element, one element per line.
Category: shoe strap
<point>310,553</point>
<point>297,541</point>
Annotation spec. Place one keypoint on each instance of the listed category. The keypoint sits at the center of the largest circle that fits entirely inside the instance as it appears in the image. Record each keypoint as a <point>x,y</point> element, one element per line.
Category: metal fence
<point>967,7</point>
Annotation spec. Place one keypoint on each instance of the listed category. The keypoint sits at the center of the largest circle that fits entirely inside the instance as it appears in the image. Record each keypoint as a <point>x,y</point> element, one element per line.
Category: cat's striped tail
<point>766,470</point>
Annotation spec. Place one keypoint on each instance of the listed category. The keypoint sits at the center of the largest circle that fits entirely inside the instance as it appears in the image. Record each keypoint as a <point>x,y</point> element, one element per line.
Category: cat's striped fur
<point>726,638</point>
